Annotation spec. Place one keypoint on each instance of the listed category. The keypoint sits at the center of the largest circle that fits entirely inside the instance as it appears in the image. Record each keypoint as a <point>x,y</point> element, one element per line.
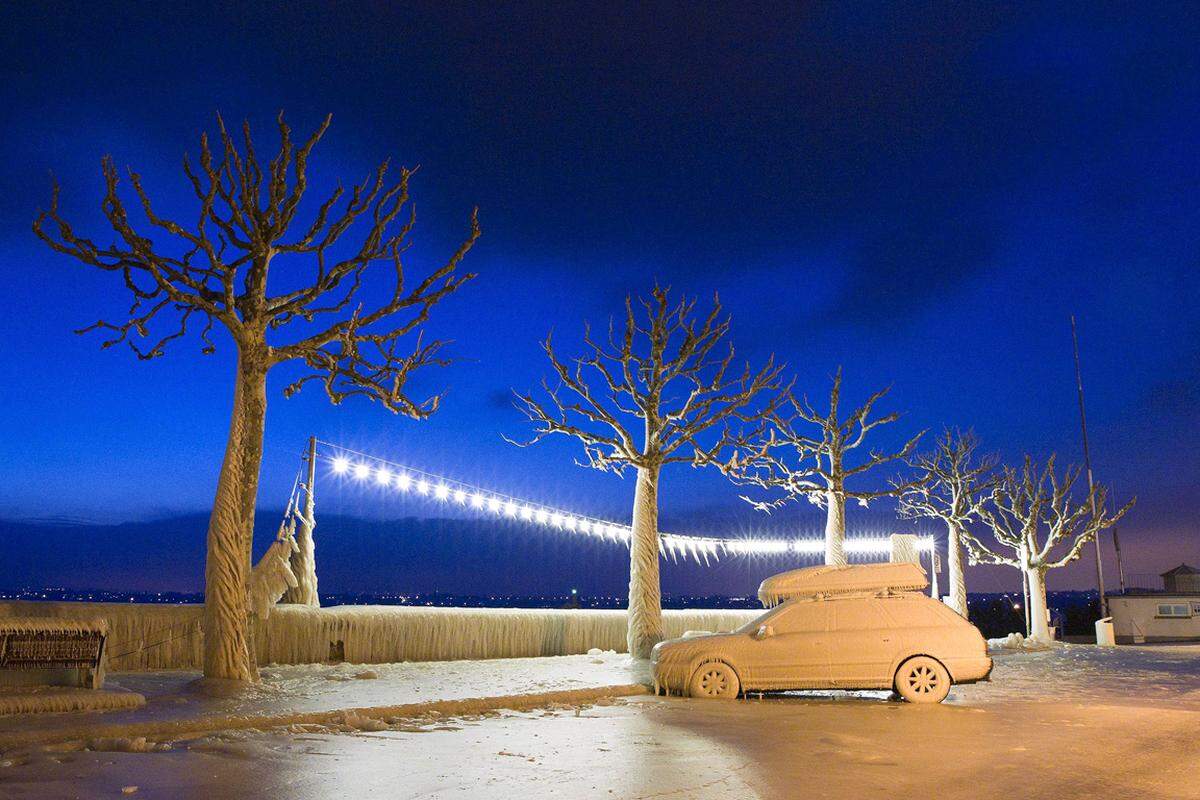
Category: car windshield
<point>753,625</point>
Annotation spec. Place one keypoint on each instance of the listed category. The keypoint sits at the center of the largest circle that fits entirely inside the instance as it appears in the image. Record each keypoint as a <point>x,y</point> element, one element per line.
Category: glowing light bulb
<point>362,471</point>
<point>585,526</point>
<point>493,505</point>
<point>569,523</point>
<point>477,500</point>
<point>460,496</point>
<point>403,482</point>
<point>422,486</point>
<point>341,464</point>
<point>383,476</point>
<point>556,519</point>
<point>542,516</point>
<point>526,513</point>
<point>510,509</point>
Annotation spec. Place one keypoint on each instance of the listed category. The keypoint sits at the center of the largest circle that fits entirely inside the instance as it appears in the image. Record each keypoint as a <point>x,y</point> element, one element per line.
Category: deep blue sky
<point>922,195</point>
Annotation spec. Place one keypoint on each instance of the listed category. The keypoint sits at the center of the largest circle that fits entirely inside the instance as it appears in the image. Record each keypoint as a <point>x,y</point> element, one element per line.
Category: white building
<point>1150,615</point>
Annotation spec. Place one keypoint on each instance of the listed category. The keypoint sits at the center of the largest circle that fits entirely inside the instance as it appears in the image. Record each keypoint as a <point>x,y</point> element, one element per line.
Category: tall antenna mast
<point>1087,463</point>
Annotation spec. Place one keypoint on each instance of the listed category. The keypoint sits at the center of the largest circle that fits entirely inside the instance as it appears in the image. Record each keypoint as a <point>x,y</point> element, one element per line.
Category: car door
<point>862,643</point>
<point>796,653</point>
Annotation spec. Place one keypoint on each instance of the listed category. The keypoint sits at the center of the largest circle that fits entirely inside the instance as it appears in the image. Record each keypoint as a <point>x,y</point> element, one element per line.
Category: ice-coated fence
<point>152,636</point>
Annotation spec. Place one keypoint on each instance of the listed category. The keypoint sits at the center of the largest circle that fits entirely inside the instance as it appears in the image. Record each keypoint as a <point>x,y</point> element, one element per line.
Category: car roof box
<point>845,579</point>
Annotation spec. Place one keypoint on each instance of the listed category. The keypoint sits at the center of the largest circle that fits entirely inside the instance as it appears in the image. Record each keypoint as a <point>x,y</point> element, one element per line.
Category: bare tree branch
<point>794,462</point>
<point>656,368</point>
<point>950,484</point>
<point>221,266</point>
<point>1033,512</point>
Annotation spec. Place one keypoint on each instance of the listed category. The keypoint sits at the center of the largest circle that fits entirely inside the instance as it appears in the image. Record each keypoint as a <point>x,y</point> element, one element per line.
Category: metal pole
<point>1087,462</point>
<point>1120,564</point>
<point>312,464</point>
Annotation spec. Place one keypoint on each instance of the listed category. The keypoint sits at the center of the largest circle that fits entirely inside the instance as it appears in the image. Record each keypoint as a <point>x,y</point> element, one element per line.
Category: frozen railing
<point>153,636</point>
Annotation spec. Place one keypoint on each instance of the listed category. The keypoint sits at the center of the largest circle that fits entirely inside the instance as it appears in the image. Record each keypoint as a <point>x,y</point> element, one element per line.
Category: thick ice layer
<point>147,637</point>
<point>1105,723</point>
<point>45,699</point>
<point>841,579</point>
<point>52,625</point>
<point>307,693</point>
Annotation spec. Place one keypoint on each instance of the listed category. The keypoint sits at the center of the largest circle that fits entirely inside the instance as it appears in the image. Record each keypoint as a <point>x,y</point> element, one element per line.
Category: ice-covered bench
<point>36,650</point>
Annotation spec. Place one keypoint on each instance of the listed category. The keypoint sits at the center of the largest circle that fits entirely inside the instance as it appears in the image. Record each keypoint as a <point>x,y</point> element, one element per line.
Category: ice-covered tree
<point>659,389</point>
<point>951,485</point>
<point>214,271</point>
<point>1037,523</point>
<point>803,453</point>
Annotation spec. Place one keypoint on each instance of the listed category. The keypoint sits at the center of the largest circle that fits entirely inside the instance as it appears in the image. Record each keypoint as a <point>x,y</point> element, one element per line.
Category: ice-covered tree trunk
<point>304,559</point>
<point>1039,628</point>
<point>835,528</point>
<point>645,594</point>
<point>954,567</point>
<point>230,531</point>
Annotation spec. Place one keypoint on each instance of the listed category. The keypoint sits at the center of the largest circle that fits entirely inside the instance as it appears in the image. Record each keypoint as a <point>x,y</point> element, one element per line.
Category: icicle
<point>272,576</point>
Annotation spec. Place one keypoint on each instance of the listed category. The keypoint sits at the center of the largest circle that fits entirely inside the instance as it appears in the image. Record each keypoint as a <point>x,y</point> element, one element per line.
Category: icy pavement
<point>304,689</point>
<point>662,747</point>
<point>1165,675</point>
<point>1073,722</point>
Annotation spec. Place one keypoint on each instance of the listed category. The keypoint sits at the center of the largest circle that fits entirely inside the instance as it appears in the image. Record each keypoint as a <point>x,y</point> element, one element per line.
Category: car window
<point>807,617</point>
<point>858,614</point>
<point>912,612</point>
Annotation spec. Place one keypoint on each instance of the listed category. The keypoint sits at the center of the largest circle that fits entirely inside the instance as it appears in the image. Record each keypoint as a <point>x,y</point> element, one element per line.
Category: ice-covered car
<point>852,627</point>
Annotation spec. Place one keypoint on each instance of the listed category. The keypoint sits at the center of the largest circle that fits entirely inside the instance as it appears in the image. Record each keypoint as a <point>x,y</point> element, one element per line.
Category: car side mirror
<point>764,631</point>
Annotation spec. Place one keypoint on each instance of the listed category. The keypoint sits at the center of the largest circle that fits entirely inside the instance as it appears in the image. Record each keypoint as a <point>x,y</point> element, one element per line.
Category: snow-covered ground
<point>1075,721</point>
<point>174,699</point>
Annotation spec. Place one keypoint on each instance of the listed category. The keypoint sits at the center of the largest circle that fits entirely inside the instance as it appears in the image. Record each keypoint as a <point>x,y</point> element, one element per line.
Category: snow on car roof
<point>832,579</point>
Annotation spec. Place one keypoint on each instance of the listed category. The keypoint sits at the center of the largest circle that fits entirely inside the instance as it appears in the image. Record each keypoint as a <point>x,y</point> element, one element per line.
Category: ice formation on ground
<point>1016,641</point>
<point>50,699</point>
<point>849,745</point>
<point>315,693</point>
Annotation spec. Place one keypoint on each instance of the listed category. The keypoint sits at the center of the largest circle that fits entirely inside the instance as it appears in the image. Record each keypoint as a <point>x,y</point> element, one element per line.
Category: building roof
<point>1182,569</point>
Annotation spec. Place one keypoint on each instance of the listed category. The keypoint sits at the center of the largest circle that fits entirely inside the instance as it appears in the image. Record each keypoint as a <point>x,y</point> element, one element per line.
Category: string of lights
<point>408,480</point>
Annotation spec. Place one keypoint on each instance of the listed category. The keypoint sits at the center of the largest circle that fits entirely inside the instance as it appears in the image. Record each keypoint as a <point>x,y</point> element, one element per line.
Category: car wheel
<point>714,680</point>
<point>922,679</point>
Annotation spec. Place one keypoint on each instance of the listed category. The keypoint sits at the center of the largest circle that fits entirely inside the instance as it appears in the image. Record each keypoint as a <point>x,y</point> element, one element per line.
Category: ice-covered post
<point>1026,503</point>
<point>951,484</point>
<point>668,373</point>
<point>904,549</point>
<point>304,559</point>
<point>785,456</point>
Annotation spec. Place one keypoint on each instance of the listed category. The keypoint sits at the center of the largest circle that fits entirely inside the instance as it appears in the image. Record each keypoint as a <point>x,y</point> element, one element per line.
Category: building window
<point>1180,610</point>
<point>1195,608</point>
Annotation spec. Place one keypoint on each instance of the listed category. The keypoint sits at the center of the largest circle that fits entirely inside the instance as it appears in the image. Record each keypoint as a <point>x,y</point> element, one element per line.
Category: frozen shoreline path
<point>313,692</point>
<point>1073,722</point>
